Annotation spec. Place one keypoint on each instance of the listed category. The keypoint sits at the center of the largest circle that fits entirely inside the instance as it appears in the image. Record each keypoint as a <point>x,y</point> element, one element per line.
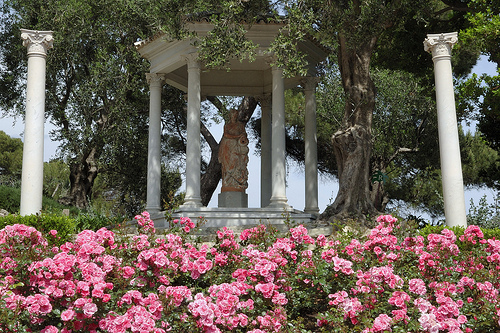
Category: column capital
<point>155,79</point>
<point>37,42</point>
<point>192,60</point>
<point>309,82</point>
<point>440,45</point>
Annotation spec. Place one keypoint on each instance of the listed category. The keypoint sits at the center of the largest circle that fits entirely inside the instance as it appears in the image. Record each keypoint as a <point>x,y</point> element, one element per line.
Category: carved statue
<point>233,155</point>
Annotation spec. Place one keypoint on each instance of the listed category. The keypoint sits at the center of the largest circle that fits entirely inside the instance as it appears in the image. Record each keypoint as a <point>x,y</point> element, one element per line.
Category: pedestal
<point>233,200</point>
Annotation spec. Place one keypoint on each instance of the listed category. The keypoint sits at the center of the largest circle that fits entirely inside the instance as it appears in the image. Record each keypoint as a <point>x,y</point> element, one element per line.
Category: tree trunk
<point>83,173</point>
<point>353,143</point>
<point>213,173</point>
<point>378,194</point>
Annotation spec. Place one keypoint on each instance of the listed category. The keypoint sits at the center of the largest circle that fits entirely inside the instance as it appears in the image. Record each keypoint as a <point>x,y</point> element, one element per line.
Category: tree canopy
<point>11,155</point>
<point>97,93</point>
<point>96,87</point>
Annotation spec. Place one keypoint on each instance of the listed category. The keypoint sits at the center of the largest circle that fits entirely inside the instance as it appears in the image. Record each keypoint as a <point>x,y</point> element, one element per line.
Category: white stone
<point>153,198</point>
<point>193,144</point>
<point>265,151</point>
<point>256,78</point>
<point>278,144</point>
<point>311,151</point>
<point>233,200</point>
<point>451,167</point>
<point>37,43</point>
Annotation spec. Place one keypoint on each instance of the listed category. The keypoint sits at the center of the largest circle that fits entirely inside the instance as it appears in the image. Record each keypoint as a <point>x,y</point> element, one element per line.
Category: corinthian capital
<point>440,44</point>
<point>37,42</point>
<point>192,60</point>
<point>155,79</point>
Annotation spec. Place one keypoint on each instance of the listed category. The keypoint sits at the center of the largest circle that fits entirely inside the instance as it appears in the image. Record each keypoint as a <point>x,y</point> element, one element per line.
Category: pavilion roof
<point>244,78</point>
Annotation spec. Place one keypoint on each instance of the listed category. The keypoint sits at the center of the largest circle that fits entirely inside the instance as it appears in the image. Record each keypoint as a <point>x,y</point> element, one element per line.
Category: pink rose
<point>89,309</point>
<point>67,315</point>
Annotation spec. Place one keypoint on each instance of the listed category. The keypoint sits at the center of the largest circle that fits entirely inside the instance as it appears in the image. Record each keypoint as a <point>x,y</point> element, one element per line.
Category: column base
<point>313,211</point>
<point>152,209</point>
<point>192,203</point>
<point>280,203</point>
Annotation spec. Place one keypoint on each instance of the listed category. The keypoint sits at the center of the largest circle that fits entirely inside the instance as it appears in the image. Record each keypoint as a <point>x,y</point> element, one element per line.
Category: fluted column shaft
<point>311,151</point>
<point>265,152</point>
<point>451,167</point>
<point>153,198</point>
<point>278,198</point>
<point>37,42</point>
<point>193,146</point>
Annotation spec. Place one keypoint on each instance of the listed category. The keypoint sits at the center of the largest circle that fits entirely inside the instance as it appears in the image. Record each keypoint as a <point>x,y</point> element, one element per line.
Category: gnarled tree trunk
<point>83,173</point>
<point>353,143</point>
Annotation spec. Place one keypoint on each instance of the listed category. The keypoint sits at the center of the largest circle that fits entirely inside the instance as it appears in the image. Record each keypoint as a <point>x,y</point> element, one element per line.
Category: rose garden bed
<point>107,281</point>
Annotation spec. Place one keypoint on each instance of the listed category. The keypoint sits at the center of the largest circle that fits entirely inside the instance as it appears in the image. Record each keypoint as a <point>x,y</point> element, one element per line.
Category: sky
<point>328,187</point>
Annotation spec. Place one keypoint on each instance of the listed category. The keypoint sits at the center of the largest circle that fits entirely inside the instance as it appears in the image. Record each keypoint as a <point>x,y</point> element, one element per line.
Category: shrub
<point>104,281</point>
<point>484,215</point>
<point>95,221</point>
<point>10,198</point>
<point>45,223</point>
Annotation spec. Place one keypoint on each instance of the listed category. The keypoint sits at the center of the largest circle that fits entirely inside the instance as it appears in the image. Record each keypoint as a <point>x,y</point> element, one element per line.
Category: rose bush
<point>106,281</point>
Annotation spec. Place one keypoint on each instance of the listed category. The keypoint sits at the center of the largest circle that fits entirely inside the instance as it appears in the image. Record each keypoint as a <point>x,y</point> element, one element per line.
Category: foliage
<point>55,179</point>
<point>10,198</point>
<point>92,220</point>
<point>45,223</point>
<point>96,89</point>
<point>262,283</point>
<point>11,155</point>
<point>484,215</point>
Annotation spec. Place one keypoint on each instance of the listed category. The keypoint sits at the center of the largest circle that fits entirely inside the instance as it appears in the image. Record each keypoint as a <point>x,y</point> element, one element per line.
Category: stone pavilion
<point>175,62</point>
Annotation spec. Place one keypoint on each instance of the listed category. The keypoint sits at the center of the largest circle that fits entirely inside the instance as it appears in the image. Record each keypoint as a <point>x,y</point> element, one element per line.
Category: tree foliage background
<point>376,91</point>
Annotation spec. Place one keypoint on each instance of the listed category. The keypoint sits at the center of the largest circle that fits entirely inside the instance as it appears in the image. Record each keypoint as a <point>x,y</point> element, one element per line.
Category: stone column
<point>311,151</point>
<point>153,201</point>
<point>451,167</point>
<point>265,151</point>
<point>193,146</point>
<point>278,198</point>
<point>37,42</point>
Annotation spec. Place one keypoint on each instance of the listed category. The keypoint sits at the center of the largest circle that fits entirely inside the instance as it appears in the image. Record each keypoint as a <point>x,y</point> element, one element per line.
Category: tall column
<point>278,163</point>
<point>153,201</point>
<point>193,146</point>
<point>451,167</point>
<point>265,151</point>
<point>37,42</point>
<point>311,150</point>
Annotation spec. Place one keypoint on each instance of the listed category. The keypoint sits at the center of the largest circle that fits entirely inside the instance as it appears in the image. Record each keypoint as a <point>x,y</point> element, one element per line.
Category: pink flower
<point>53,232</point>
<point>382,323</point>
<point>429,322</point>
<point>417,286</point>
<point>128,272</point>
<point>67,315</point>
<point>89,309</point>
<point>50,329</point>
<point>266,289</point>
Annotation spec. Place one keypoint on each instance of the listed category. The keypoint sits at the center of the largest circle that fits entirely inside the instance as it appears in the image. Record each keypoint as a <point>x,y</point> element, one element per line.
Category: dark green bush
<point>44,223</point>
<point>458,231</point>
<point>95,221</point>
<point>10,198</point>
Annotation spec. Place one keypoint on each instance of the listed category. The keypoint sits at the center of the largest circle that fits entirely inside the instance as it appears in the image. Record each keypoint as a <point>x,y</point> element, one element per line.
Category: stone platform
<point>237,217</point>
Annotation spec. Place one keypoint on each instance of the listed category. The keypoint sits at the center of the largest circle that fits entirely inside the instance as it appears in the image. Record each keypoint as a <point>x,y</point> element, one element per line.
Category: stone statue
<point>233,155</point>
